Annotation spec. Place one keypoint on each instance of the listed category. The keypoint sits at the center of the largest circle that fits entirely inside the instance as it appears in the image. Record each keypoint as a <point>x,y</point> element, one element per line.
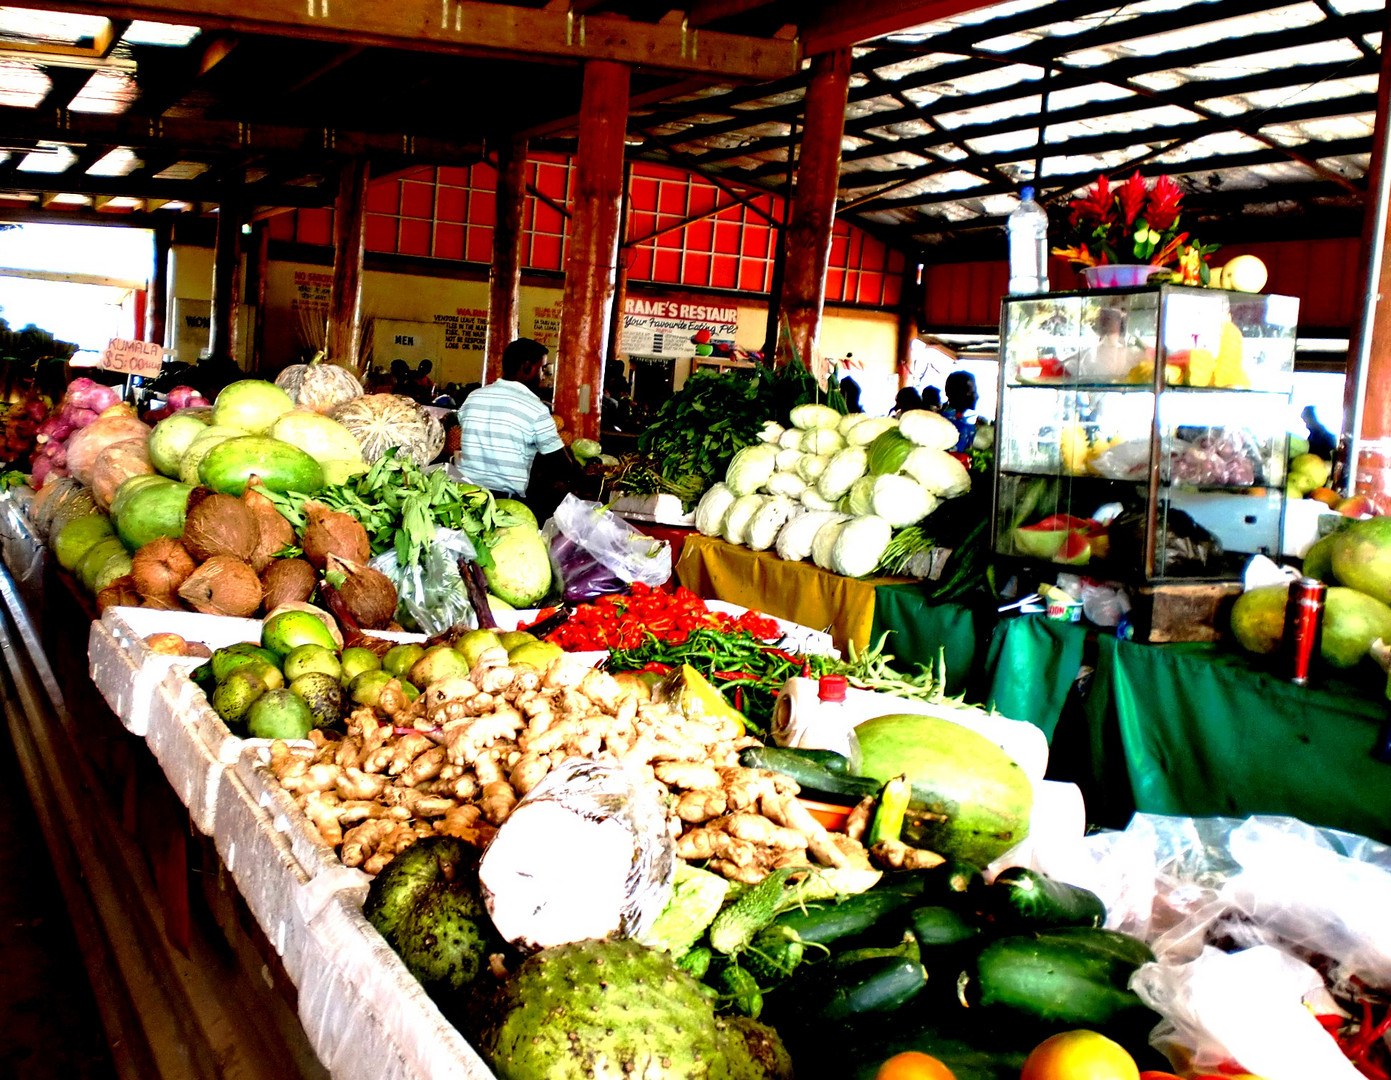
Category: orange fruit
<point>1327,496</point>
<point>912,1065</point>
<point>1079,1055</point>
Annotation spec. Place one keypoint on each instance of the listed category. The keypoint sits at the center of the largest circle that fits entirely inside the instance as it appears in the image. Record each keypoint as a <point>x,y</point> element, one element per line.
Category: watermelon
<point>980,794</point>
<point>280,466</point>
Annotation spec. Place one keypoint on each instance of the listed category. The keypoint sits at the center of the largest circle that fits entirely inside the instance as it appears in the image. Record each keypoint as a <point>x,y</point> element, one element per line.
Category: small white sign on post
<point>143,358</point>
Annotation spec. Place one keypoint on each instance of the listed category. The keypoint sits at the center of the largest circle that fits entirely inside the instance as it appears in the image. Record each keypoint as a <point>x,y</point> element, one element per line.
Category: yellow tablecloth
<point>797,591</point>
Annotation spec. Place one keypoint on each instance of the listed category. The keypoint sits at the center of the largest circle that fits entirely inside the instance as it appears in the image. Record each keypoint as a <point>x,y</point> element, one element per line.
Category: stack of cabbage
<point>835,487</point>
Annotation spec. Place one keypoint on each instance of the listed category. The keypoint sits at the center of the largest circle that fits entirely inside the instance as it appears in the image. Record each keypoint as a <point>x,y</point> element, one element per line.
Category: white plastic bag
<point>594,552</point>
<point>430,595</point>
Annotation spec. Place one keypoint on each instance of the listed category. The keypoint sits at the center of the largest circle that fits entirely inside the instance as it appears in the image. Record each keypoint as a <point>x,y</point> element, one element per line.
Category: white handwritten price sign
<point>142,358</point>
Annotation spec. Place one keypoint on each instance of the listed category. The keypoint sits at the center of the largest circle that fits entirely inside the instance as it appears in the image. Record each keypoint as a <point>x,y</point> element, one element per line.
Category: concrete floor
<point>49,1026</point>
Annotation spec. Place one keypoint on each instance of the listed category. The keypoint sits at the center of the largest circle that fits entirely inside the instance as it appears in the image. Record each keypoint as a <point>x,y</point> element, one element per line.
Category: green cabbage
<point>888,453</point>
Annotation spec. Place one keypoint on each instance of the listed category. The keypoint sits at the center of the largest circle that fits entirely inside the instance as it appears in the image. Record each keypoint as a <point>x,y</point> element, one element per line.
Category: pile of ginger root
<point>457,759</point>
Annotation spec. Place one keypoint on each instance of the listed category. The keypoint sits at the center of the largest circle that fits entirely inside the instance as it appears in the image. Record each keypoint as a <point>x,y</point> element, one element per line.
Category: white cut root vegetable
<point>787,460</point>
<point>712,509</point>
<point>821,441</point>
<point>736,522</point>
<point>866,431</point>
<point>810,466</point>
<point>786,483</point>
<point>926,428</point>
<point>795,540</point>
<point>824,542</point>
<point>750,468</point>
<point>844,469</point>
<point>901,501</point>
<point>767,522</point>
<point>937,471</point>
<point>807,417</point>
<point>859,545</point>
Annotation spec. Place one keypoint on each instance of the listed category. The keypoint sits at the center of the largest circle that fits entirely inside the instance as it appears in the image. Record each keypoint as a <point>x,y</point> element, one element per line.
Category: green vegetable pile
<point>400,505</point>
<point>696,432</point>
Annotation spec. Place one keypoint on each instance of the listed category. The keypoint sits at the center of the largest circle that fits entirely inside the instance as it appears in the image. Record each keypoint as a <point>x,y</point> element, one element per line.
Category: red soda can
<point>1303,627</point>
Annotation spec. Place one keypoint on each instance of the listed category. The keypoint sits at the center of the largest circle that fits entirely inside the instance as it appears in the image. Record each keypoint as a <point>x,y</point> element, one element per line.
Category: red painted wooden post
<point>226,300</point>
<point>505,275</point>
<point>592,261</point>
<point>345,295</point>
<point>814,204</point>
<point>157,301</point>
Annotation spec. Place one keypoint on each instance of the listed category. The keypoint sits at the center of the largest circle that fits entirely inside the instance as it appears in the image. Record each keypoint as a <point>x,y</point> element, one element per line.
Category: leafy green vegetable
<point>401,506</point>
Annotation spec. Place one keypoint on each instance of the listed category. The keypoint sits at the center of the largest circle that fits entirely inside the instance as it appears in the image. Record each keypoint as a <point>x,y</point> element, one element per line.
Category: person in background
<point>906,400</point>
<point>961,407</point>
<point>508,442</point>
<point>932,398</point>
<point>850,390</point>
<point>422,387</point>
<point>1321,441</point>
<point>400,377</point>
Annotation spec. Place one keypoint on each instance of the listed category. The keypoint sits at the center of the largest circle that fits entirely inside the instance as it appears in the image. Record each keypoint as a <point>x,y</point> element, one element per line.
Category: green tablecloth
<point>1032,663</point>
<point>1204,733</point>
<point>919,631</point>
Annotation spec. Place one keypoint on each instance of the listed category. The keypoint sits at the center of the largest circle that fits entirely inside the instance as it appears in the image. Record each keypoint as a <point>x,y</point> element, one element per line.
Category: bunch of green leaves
<point>401,506</point>
<point>705,423</point>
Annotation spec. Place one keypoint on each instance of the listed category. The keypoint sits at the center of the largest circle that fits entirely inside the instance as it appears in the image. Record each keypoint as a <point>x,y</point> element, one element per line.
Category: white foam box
<point>127,672</point>
<point>191,767</point>
<point>366,1016</point>
<point>313,855</point>
<point>269,878</point>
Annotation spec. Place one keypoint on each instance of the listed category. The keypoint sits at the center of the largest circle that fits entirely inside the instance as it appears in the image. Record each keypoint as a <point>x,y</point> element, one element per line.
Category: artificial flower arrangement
<point>1135,223</point>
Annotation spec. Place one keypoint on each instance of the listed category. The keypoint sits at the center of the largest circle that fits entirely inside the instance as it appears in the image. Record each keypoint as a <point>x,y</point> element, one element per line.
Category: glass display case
<point>1142,432</point>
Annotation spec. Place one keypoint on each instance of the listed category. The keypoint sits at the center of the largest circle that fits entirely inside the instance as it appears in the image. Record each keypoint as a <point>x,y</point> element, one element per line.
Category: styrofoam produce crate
<point>271,880</point>
<point>180,700</point>
<point>366,1016</point>
<point>311,853</point>
<point>191,767</point>
<point>661,509</point>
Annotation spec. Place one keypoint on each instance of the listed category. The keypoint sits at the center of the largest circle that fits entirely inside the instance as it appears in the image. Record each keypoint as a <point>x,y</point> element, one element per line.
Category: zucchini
<point>1121,947</point>
<point>954,883</point>
<point>1028,900</point>
<point>874,985</point>
<point>935,927</point>
<point>822,924</point>
<point>1059,980</point>
<point>816,779</point>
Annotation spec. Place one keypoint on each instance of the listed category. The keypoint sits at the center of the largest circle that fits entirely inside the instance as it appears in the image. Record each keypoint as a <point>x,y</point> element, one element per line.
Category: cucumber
<point>822,924</point>
<point>1026,899</point>
<point>816,779</point>
<point>940,926</point>
<point>875,985</point>
<point>1121,947</point>
<point>1057,980</point>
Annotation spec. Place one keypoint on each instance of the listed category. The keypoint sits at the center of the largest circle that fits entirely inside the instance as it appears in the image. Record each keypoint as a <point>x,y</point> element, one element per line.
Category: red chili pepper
<point>783,654</point>
<point>655,668</point>
<point>737,676</point>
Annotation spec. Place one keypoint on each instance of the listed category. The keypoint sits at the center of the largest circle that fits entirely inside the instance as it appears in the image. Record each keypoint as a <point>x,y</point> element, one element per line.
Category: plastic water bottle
<point>1028,246</point>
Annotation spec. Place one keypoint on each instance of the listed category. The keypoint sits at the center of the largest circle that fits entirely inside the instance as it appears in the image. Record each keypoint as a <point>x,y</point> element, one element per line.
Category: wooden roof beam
<point>189,191</point>
<point>473,27</point>
<point>194,134</point>
<point>838,25</point>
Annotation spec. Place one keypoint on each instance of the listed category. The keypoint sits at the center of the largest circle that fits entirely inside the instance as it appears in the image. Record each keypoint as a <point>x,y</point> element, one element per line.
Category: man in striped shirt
<point>504,427</point>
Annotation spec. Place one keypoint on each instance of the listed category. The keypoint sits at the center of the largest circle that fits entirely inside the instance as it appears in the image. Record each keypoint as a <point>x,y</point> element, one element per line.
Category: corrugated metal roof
<point>1236,98</point>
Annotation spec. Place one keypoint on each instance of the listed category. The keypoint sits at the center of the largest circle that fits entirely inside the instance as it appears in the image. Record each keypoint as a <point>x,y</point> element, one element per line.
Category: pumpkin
<point>117,464</point>
<point>319,387</point>
<point>87,444</point>
<point>381,421</point>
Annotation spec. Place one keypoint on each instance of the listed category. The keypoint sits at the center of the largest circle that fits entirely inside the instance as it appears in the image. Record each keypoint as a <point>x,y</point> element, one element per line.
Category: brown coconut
<point>223,586</point>
<point>220,525</point>
<point>120,593</point>
<point>273,532</point>
<point>328,532</point>
<point>368,594</point>
<point>160,567</point>
<point>286,580</point>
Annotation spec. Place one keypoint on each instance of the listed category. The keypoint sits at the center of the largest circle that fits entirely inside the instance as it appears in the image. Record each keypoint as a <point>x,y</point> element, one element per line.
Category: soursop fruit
<point>446,940</point>
<point>397,890</point>
<point>616,1010</point>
